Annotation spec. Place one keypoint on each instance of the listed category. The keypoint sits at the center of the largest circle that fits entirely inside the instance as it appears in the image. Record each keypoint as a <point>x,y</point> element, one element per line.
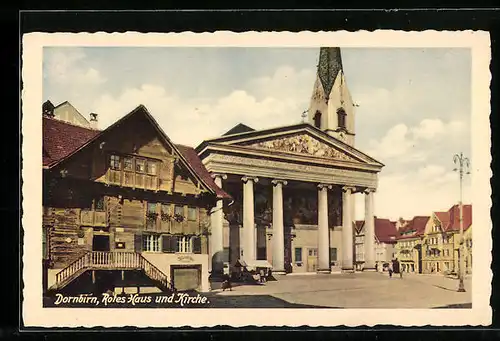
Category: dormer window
<point>317,120</point>
<point>341,115</point>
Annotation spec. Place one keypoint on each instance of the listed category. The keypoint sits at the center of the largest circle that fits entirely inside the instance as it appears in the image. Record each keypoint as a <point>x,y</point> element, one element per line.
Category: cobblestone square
<point>357,290</point>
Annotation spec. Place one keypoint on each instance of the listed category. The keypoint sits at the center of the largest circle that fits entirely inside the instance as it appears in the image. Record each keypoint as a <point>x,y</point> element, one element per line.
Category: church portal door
<point>312,260</point>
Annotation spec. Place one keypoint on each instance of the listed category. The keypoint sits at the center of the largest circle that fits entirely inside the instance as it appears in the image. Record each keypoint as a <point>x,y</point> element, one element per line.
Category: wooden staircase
<point>99,260</point>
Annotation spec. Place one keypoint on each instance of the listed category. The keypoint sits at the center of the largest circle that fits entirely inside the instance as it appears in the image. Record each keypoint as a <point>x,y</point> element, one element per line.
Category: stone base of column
<point>370,269</point>
<point>348,270</point>
<point>279,272</point>
<point>324,271</point>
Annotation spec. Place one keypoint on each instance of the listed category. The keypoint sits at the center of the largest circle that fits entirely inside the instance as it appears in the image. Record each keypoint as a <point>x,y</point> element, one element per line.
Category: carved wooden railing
<point>99,260</point>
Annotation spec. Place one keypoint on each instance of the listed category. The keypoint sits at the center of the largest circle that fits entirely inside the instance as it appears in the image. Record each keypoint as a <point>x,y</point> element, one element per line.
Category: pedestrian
<point>390,270</point>
<point>226,283</point>
<point>262,276</point>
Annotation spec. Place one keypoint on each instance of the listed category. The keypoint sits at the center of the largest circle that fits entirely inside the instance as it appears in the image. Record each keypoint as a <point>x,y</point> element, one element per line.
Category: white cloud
<point>411,144</point>
<point>65,67</point>
<point>420,192</point>
<point>202,118</point>
<point>286,82</point>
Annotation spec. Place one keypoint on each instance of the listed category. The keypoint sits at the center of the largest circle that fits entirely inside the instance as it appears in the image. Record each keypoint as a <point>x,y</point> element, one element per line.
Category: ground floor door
<point>100,243</point>
<point>312,259</point>
<point>186,277</point>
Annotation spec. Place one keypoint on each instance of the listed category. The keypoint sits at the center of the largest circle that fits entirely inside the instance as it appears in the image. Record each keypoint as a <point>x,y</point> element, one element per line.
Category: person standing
<point>391,269</point>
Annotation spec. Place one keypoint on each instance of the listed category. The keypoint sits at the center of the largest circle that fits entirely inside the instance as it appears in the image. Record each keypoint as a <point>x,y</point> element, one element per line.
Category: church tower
<point>332,108</point>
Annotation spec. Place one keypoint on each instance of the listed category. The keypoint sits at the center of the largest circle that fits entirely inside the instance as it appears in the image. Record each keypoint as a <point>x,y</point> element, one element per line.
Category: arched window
<point>317,120</point>
<point>341,115</point>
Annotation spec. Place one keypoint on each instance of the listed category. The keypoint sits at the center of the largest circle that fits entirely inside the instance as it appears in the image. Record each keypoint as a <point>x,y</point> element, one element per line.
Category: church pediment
<point>304,144</point>
<point>303,141</point>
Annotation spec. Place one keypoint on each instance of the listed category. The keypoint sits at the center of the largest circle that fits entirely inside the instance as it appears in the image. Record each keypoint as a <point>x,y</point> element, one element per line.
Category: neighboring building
<point>386,234</point>
<point>66,112</point>
<point>385,241</point>
<point>409,243</point>
<point>359,244</point>
<point>293,186</point>
<point>442,241</point>
<point>124,208</point>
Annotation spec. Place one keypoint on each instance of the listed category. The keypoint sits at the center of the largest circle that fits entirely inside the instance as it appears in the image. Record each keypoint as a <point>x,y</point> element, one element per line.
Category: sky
<point>413,114</point>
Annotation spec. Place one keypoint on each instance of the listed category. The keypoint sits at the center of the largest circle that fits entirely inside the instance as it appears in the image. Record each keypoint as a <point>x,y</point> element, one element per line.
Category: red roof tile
<point>453,221</point>
<point>385,230</point>
<point>415,228</point>
<point>61,139</point>
<point>194,160</point>
<point>358,225</point>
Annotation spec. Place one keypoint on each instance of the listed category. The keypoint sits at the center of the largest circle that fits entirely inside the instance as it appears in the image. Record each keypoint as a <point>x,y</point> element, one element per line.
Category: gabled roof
<point>238,143</point>
<point>450,221</point>
<point>415,228</point>
<point>193,159</point>
<point>385,230</point>
<point>62,140</point>
<point>238,129</point>
<point>358,225</point>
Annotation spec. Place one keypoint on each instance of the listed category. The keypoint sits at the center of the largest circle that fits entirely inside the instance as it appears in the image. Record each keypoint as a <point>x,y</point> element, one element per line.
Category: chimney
<point>48,109</point>
<point>93,120</point>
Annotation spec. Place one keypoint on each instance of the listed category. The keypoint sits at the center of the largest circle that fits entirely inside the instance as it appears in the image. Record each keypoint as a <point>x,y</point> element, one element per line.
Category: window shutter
<point>138,242</point>
<point>196,245</point>
<point>174,246</point>
<point>166,243</point>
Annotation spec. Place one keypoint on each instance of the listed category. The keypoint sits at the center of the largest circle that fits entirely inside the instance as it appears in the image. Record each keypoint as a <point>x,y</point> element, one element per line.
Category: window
<point>140,166</point>
<point>341,115</point>
<point>128,164</point>
<point>165,209</point>
<point>151,167</point>
<point>185,244</point>
<point>151,208</point>
<point>151,243</point>
<point>192,213</point>
<point>317,120</point>
<point>313,252</point>
<point>179,210</point>
<point>114,162</point>
<point>298,255</point>
<point>333,254</point>
<point>99,204</point>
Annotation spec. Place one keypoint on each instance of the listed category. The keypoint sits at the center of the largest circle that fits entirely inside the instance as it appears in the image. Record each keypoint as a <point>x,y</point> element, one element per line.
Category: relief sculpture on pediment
<point>303,144</point>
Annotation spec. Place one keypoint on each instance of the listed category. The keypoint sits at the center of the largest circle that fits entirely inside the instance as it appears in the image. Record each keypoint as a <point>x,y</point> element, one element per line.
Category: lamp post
<point>462,167</point>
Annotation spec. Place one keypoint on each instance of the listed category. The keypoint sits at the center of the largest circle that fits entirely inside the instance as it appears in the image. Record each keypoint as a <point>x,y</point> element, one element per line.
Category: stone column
<point>369,231</point>
<point>248,218</point>
<point>217,232</point>
<point>278,241</point>
<point>347,236</point>
<point>323,230</point>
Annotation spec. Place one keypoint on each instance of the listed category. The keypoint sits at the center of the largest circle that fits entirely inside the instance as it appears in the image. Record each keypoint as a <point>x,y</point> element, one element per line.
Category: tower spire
<point>329,66</point>
<point>331,108</point>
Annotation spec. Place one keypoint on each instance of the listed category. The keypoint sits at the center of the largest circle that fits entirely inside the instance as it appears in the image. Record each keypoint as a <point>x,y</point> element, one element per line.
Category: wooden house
<point>124,208</point>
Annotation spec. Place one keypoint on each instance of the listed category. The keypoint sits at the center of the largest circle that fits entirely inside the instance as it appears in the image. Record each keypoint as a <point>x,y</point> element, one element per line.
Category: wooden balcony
<point>133,180</point>
<point>93,218</point>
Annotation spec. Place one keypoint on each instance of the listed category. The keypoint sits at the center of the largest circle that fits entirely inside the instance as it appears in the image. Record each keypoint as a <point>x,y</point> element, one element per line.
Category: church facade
<point>293,187</point>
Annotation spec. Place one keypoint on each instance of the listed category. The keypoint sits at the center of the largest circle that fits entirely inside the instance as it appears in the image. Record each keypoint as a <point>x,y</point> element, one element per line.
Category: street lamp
<point>462,167</point>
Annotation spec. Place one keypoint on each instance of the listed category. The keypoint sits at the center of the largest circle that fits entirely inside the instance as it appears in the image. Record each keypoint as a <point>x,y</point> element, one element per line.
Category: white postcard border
<point>35,315</point>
